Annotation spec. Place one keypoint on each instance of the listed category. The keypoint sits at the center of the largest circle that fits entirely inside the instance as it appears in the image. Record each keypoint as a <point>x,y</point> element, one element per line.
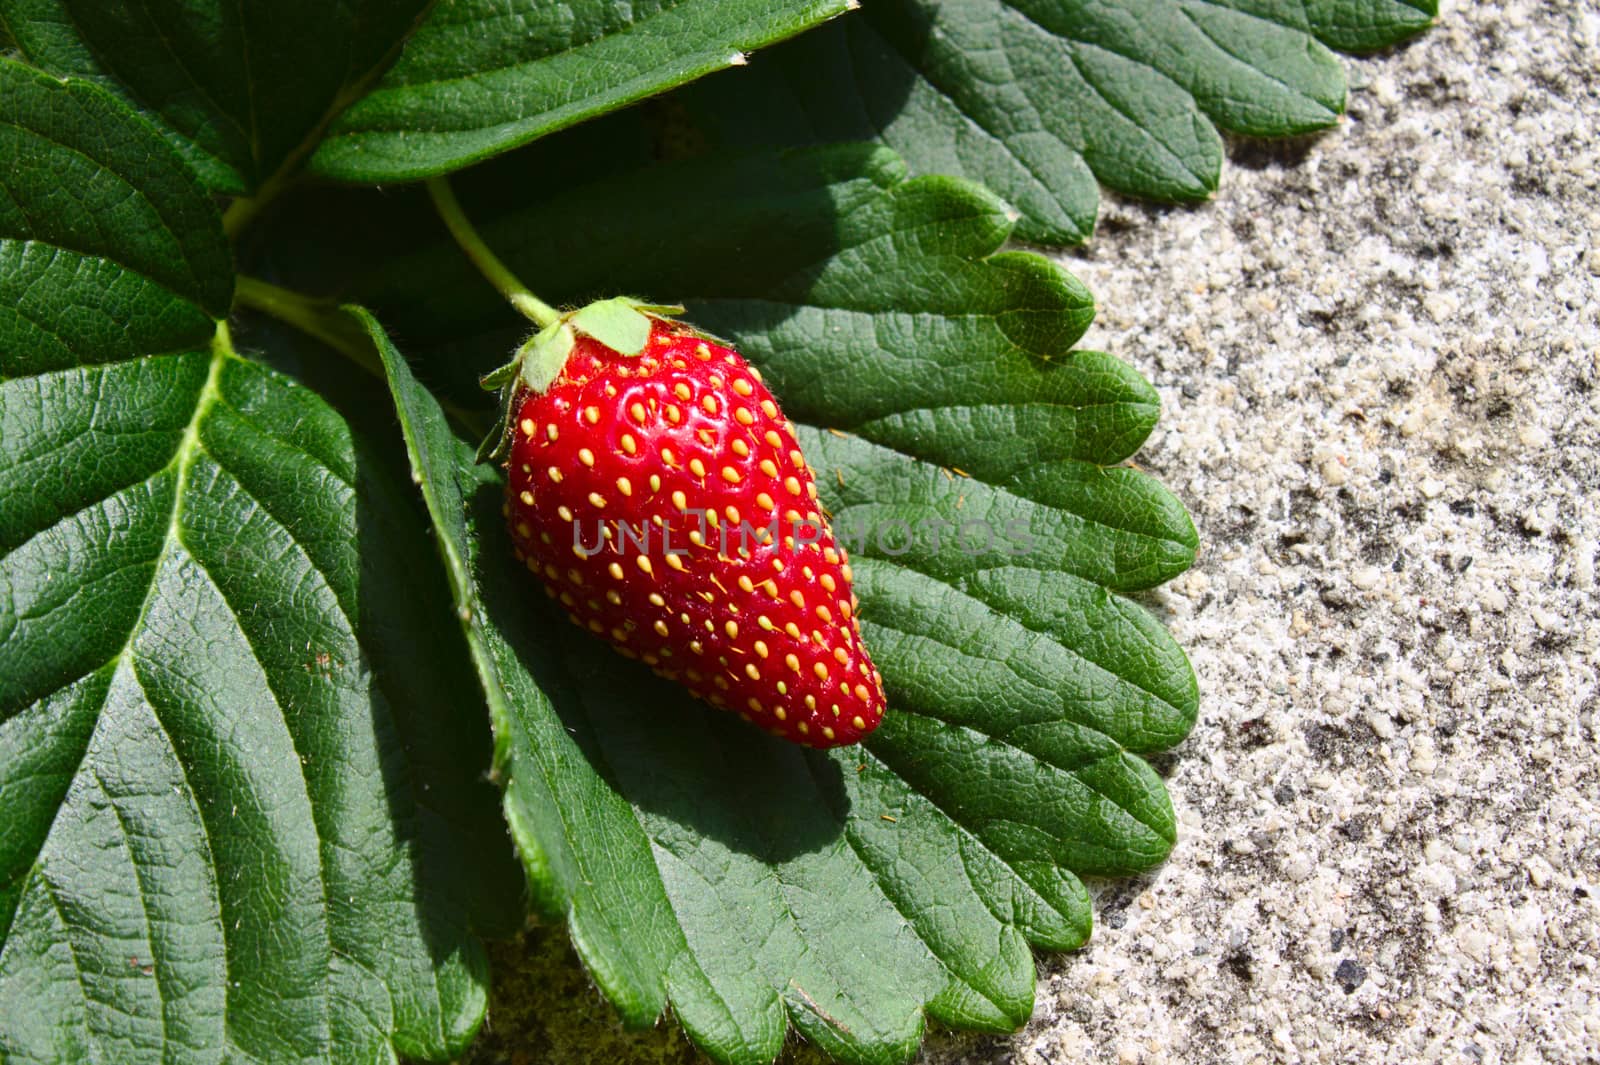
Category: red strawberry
<point>656,488</point>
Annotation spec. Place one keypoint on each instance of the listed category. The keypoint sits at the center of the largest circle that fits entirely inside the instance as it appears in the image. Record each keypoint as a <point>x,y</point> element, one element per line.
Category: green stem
<point>242,211</point>
<point>487,262</point>
<point>326,321</point>
<point>318,318</point>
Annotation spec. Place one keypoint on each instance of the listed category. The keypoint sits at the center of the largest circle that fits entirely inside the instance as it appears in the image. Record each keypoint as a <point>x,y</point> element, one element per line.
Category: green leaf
<point>239,820</point>
<point>1040,99</point>
<point>484,76</point>
<point>1350,25</point>
<point>242,87</point>
<point>749,884</point>
<point>90,189</point>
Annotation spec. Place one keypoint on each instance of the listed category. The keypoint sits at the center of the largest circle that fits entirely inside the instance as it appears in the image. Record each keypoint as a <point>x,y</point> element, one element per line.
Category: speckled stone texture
<point>1379,353</point>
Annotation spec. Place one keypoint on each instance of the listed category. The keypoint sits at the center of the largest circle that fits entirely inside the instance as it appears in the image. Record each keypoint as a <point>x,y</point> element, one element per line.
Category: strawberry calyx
<point>621,323</point>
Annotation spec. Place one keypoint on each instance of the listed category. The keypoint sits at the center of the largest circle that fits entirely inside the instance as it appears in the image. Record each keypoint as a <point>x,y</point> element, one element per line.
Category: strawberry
<point>659,493</point>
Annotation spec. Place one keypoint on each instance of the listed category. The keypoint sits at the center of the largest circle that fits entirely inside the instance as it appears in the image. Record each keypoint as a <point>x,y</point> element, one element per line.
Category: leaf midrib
<point>185,453</point>
<point>183,460</point>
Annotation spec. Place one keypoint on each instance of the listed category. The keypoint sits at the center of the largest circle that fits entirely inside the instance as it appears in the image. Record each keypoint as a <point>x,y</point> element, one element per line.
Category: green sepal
<point>621,324</point>
<point>544,354</point>
<point>496,379</point>
<point>617,323</point>
<point>494,445</point>
<point>659,310</point>
<point>705,334</point>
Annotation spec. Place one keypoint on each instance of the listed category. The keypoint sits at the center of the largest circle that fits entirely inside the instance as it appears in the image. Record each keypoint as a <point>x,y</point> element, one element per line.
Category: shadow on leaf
<point>695,774</point>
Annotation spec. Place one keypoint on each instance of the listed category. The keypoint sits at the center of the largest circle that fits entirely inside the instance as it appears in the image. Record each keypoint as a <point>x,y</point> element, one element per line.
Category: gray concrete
<point>1379,353</point>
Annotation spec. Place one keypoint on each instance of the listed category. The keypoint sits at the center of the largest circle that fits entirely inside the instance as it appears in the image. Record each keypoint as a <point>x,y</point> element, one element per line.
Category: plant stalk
<point>488,263</point>
<point>325,320</point>
<point>319,318</point>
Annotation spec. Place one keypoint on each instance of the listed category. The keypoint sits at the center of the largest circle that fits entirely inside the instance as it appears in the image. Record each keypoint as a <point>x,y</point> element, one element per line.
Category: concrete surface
<point>1379,352</point>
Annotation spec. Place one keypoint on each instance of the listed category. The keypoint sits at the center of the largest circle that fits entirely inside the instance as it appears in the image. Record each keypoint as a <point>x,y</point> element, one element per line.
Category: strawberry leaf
<point>483,76</point>
<point>749,884</point>
<point>241,88</point>
<point>1041,100</point>
<point>236,822</point>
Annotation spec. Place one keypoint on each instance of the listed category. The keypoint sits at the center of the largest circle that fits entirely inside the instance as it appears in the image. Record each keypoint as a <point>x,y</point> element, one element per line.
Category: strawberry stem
<point>487,262</point>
